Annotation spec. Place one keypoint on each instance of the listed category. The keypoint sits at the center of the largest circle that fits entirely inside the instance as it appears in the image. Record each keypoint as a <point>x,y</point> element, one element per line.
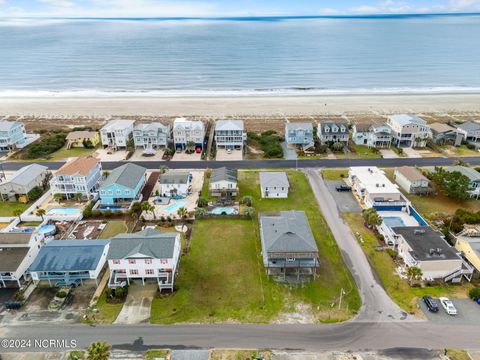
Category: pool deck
<point>408,220</point>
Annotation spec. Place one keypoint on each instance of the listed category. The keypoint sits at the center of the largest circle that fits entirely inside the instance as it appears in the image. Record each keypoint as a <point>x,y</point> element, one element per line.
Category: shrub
<point>46,146</point>
<point>392,253</point>
<point>61,294</point>
<point>202,202</point>
<point>470,146</point>
<point>474,293</point>
<point>35,193</point>
<point>322,149</point>
<point>108,213</point>
<point>121,292</point>
<point>247,200</point>
<point>200,213</point>
<point>96,213</point>
<point>87,212</point>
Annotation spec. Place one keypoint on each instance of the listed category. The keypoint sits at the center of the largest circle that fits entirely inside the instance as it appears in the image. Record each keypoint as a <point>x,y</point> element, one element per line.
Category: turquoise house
<point>122,186</point>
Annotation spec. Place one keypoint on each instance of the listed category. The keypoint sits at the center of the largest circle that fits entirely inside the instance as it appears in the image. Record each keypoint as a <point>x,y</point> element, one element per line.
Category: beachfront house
<point>230,134</point>
<point>408,130</point>
<point>175,184</point>
<point>17,251</point>
<point>373,188</point>
<point>444,134</point>
<point>330,132</point>
<point>67,262</point>
<point>470,131</point>
<point>467,242</point>
<point>122,186</point>
<point>12,135</point>
<point>224,183</point>
<point>18,187</point>
<point>116,134</point>
<point>148,255</point>
<point>412,180</point>
<point>472,175</point>
<point>428,250</point>
<point>85,139</point>
<point>151,136</point>
<point>188,133</point>
<point>372,134</point>
<point>80,176</point>
<point>299,134</point>
<point>289,249</point>
<point>274,184</point>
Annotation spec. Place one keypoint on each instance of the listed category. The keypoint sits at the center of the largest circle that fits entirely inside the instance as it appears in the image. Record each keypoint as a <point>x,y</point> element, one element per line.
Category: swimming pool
<point>223,210</point>
<point>110,207</point>
<point>174,207</point>
<point>393,221</point>
<point>47,230</point>
<point>63,211</point>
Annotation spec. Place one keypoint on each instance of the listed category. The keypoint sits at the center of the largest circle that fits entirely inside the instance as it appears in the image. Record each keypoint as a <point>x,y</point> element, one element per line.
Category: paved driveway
<point>189,355</point>
<point>223,155</point>
<point>468,312</point>
<point>136,309</point>
<point>345,200</point>
<point>411,153</point>
<point>388,154</point>
<point>288,153</point>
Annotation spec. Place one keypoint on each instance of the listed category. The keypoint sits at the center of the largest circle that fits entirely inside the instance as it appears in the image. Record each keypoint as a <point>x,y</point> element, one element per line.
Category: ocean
<point>243,56</point>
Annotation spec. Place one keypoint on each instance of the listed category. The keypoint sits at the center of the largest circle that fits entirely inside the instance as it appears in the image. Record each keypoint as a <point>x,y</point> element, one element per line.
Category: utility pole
<point>342,292</point>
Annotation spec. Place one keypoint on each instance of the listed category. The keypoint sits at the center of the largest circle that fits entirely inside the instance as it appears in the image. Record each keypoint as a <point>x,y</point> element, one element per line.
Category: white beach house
<point>187,132</point>
<point>116,133</point>
<point>151,136</point>
<point>230,134</point>
<point>409,130</point>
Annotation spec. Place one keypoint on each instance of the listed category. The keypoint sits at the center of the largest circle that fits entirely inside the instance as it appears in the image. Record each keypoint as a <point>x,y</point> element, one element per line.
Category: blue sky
<point>213,8</point>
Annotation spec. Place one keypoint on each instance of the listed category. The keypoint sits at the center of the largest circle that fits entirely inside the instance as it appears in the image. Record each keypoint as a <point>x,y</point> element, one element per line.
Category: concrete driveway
<point>345,200</point>
<point>189,355</point>
<point>223,155</point>
<point>288,153</point>
<point>411,153</point>
<point>388,154</point>
<point>468,312</point>
<point>136,309</point>
<point>183,156</point>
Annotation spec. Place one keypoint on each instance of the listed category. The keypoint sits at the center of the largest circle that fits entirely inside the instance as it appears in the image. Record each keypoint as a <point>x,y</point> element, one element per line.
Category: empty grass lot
<point>8,208</point>
<point>114,227</point>
<point>107,313</point>
<point>65,153</point>
<point>222,279</point>
<point>359,152</point>
<point>398,289</point>
<point>435,206</point>
<point>335,174</point>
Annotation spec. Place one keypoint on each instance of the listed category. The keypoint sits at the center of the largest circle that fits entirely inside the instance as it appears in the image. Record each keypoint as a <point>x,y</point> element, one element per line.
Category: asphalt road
<point>265,164</point>
<point>376,304</point>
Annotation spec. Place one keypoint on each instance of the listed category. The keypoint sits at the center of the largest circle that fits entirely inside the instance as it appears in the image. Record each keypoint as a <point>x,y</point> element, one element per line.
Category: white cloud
<point>468,5</point>
<point>58,3</point>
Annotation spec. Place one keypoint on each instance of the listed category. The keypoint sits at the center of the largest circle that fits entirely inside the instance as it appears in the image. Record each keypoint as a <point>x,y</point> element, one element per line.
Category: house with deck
<point>148,255</point>
<point>12,135</point>
<point>224,182</point>
<point>372,134</point>
<point>408,130</point>
<point>289,248</point>
<point>412,180</point>
<point>116,134</point>
<point>186,132</point>
<point>151,136</point>
<point>83,138</point>
<point>470,131</point>
<point>22,182</point>
<point>65,262</point>
<point>79,176</point>
<point>472,175</point>
<point>467,242</point>
<point>444,134</point>
<point>175,184</point>
<point>299,134</point>
<point>230,134</point>
<point>122,186</point>
<point>17,251</point>
<point>332,132</point>
<point>274,184</point>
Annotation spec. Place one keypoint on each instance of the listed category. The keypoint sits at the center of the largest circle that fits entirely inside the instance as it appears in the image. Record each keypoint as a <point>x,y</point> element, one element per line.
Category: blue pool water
<point>23,230</point>
<point>223,210</point>
<point>393,221</point>
<point>63,211</point>
<point>174,207</point>
<point>47,229</point>
<point>109,207</point>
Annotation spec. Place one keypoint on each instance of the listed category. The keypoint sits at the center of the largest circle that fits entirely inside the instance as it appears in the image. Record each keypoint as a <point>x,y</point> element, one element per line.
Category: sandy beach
<point>103,107</point>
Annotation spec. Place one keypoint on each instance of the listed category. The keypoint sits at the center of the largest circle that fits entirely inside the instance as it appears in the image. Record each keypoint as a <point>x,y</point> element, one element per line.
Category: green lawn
<point>434,207</point>
<point>8,208</point>
<point>335,174</point>
<point>156,354</point>
<point>360,152</point>
<point>223,279</point>
<point>114,227</point>
<point>65,153</point>
<point>107,313</point>
<point>463,151</point>
<point>228,354</point>
<point>398,289</point>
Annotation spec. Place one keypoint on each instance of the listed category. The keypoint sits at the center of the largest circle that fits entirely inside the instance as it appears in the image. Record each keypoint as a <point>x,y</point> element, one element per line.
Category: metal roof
<point>472,174</point>
<point>274,179</point>
<point>469,126</point>
<point>299,126</point>
<point>149,243</point>
<point>127,175</point>
<point>405,119</point>
<point>287,231</point>
<point>223,125</point>
<point>14,238</point>
<point>27,174</point>
<point>174,178</point>
<point>69,255</point>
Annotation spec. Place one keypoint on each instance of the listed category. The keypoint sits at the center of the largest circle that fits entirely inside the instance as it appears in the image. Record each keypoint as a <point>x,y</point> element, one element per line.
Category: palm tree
<point>41,213</point>
<point>151,208</point>
<point>182,212</point>
<point>414,273</point>
<point>145,206</point>
<point>18,213</point>
<point>98,351</point>
<point>371,217</point>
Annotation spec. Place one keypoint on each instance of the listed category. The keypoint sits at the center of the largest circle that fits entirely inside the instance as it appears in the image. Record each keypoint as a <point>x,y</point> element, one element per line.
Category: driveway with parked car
<point>468,312</point>
<point>345,200</point>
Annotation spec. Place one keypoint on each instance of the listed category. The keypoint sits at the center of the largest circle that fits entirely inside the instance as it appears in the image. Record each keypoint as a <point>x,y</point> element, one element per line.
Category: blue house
<point>122,186</point>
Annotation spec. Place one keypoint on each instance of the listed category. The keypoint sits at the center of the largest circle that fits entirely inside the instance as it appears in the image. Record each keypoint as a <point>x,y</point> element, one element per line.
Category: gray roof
<point>405,119</point>
<point>299,126</point>
<point>27,174</point>
<point>426,243</point>
<point>472,174</point>
<point>155,126</point>
<point>223,173</point>
<point>11,258</point>
<point>287,231</point>
<point>14,238</point>
<point>469,126</point>
<point>274,179</point>
<point>69,255</point>
<point>229,125</point>
<point>6,125</point>
<point>149,242</point>
<point>127,175</point>
<point>329,124</point>
<point>174,178</point>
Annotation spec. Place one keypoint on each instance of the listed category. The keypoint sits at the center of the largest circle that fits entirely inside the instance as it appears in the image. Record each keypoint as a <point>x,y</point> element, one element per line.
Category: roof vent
<point>418,232</point>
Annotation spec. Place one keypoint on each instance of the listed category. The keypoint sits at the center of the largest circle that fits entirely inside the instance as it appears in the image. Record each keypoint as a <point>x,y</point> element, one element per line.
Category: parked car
<point>431,304</point>
<point>448,306</point>
<point>343,188</point>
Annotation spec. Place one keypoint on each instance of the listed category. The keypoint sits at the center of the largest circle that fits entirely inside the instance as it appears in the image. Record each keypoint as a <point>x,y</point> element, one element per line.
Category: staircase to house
<point>456,276</point>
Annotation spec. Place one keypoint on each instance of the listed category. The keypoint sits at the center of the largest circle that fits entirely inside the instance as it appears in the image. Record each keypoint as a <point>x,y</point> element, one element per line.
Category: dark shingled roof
<point>11,258</point>
<point>69,255</point>
<point>149,242</point>
<point>14,238</point>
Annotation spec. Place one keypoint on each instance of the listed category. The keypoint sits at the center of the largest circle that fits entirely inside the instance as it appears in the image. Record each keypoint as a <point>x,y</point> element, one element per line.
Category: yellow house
<point>468,243</point>
<point>77,138</point>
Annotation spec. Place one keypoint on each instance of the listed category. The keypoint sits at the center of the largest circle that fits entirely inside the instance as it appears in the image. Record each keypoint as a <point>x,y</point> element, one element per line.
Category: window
<point>148,261</point>
<point>119,192</point>
<point>132,261</point>
<point>116,262</point>
<point>149,272</point>
<point>290,259</point>
<point>133,272</point>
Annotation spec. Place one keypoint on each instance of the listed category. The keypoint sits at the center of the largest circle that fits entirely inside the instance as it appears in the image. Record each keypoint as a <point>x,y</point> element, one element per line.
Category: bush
<point>470,146</point>
<point>35,193</point>
<point>108,213</point>
<point>121,292</point>
<point>96,213</point>
<point>322,149</point>
<point>392,253</point>
<point>45,146</point>
<point>202,202</point>
<point>474,293</point>
<point>247,200</point>
<point>61,294</point>
<point>87,212</point>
